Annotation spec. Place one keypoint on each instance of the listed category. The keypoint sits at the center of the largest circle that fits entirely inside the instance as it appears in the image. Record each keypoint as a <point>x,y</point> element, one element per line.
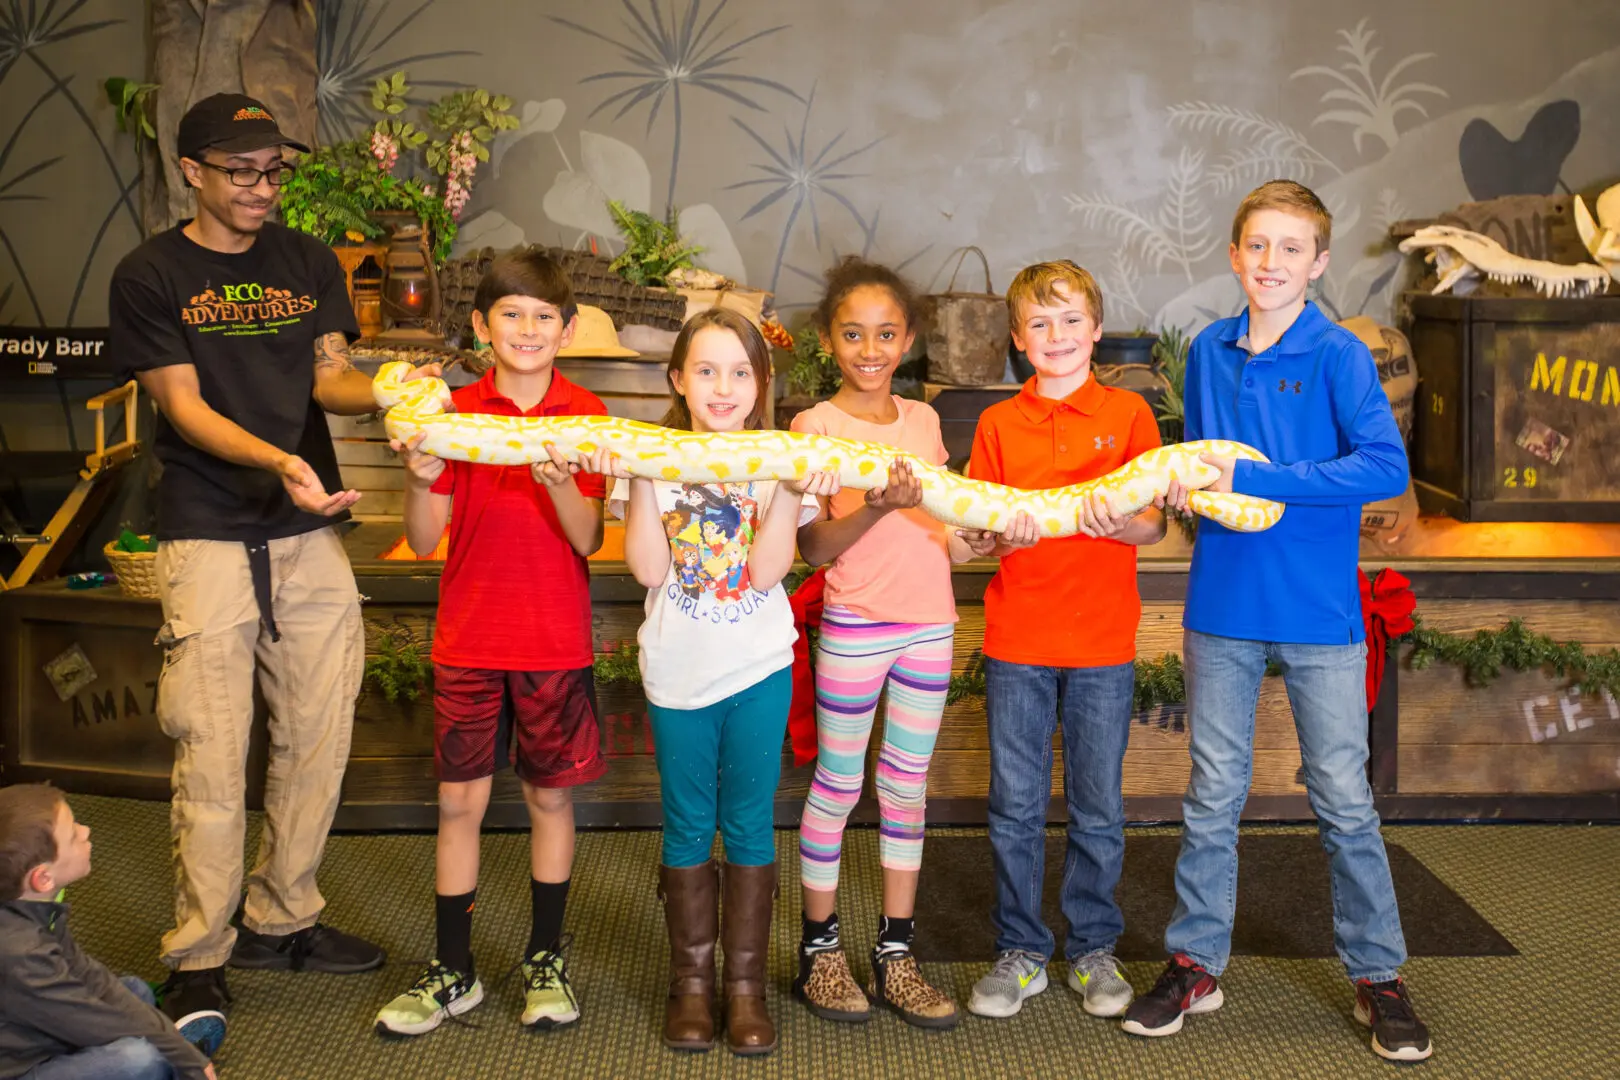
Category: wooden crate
<point>959,408</point>
<point>636,389</point>
<point>1518,408</point>
<point>365,462</point>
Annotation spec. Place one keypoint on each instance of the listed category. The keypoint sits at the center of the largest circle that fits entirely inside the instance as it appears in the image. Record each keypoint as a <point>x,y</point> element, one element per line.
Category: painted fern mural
<point>1376,104</point>
<point>664,54</point>
<point>1228,149</point>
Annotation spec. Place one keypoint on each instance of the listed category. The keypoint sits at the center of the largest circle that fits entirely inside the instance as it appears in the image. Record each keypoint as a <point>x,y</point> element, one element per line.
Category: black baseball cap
<point>234,123</point>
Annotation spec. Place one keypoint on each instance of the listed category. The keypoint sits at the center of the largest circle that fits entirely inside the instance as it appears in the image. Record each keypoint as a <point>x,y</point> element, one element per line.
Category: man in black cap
<point>239,329</point>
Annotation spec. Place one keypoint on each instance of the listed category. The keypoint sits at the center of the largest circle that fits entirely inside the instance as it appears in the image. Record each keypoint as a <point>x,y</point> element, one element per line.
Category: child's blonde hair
<point>1038,284</point>
<point>1291,197</point>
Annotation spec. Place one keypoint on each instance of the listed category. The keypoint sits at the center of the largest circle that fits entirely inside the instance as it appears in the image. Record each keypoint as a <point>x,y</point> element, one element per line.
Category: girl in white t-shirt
<point>716,660</point>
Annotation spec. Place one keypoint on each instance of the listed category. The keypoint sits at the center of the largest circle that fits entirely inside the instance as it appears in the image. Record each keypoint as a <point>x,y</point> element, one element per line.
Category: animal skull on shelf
<point>1463,257</point>
<point>1602,237</point>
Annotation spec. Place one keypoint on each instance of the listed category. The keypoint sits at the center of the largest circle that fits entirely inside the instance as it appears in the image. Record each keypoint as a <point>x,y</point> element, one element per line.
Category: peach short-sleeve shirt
<point>900,571</point>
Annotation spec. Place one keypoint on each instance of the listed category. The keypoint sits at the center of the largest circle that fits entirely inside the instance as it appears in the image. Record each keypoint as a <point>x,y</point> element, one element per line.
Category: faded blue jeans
<point>1025,704</point>
<point>1328,692</point>
<point>129,1058</point>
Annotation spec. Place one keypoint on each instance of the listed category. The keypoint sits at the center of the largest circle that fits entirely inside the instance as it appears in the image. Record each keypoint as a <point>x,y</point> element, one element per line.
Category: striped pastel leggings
<point>855,658</point>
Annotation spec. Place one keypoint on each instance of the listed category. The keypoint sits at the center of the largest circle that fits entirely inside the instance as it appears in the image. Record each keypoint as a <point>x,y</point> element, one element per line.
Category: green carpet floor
<point>1546,1013</point>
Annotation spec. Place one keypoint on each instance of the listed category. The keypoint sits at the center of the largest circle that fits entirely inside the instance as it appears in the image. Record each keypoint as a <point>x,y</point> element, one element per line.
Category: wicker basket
<point>136,571</point>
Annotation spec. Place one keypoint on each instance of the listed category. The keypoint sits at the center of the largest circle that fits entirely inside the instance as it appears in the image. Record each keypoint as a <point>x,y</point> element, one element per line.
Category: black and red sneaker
<point>1185,987</point>
<point>1397,1033</point>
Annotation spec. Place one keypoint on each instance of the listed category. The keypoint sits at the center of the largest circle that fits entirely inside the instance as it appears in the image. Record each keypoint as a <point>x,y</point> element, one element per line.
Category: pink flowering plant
<point>397,165</point>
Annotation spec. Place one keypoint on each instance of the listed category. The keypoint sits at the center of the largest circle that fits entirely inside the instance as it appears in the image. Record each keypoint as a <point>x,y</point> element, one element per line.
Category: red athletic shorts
<point>477,711</point>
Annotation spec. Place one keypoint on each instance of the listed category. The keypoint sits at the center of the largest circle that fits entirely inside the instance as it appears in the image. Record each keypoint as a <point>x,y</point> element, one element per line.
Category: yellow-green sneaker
<point>439,994</point>
<point>548,999</point>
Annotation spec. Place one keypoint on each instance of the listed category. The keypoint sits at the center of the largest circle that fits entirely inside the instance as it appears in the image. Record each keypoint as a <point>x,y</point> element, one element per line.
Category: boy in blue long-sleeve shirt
<point>1304,392</point>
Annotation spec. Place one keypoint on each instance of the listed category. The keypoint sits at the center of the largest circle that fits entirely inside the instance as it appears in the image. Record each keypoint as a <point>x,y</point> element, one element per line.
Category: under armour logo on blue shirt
<point>1100,441</point>
<point>1282,385</point>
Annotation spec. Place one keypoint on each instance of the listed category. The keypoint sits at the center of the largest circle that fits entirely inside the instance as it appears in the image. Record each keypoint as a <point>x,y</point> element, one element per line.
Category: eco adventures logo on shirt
<point>247,308</point>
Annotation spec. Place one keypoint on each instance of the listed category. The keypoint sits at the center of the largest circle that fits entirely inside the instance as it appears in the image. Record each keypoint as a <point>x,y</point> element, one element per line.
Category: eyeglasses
<point>251,177</point>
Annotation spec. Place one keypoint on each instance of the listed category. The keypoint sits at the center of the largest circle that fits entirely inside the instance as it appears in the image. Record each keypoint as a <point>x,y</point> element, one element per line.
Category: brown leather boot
<point>746,939</point>
<point>690,896</point>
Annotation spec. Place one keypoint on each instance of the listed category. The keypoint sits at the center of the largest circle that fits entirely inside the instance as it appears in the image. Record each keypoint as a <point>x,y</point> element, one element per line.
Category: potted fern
<point>653,249</point>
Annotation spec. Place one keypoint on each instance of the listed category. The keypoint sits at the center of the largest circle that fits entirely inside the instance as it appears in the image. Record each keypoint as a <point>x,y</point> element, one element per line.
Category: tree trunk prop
<point>262,48</point>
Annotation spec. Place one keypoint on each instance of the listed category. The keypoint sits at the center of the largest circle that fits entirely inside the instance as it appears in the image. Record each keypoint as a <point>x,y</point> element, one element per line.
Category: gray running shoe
<point>1015,976</point>
<point>1095,976</point>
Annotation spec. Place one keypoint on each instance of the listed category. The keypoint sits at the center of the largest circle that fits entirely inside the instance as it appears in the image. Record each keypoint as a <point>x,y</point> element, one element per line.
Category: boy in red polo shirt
<point>1060,644</point>
<point>512,646</point>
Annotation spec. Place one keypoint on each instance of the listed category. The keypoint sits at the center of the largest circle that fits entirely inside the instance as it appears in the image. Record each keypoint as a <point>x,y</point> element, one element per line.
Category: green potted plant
<point>1133,347</point>
<point>338,192</point>
<point>653,249</point>
<point>1170,356</point>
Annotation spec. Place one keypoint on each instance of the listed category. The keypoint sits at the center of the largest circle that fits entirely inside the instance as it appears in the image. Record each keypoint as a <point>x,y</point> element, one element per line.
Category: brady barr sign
<point>74,352</point>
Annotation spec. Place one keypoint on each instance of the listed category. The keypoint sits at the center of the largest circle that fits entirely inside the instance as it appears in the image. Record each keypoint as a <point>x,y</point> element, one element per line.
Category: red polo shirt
<point>1069,602</point>
<point>514,595</point>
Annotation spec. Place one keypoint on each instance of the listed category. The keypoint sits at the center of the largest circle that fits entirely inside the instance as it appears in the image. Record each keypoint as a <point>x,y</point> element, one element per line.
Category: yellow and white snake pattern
<point>659,453</point>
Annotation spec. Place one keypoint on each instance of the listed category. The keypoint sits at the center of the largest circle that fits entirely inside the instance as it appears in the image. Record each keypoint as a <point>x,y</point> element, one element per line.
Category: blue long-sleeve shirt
<point>1313,405</point>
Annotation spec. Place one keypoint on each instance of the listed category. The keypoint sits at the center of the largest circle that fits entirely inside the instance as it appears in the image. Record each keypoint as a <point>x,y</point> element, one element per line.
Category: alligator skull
<point>1462,256</point>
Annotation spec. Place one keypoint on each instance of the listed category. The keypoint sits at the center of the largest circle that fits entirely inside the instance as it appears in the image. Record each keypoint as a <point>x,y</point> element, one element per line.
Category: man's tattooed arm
<point>339,387</point>
<point>332,354</point>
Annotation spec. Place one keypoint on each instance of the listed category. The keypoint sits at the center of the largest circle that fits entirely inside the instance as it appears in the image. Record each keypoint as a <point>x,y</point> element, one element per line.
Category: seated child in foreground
<point>61,1012</point>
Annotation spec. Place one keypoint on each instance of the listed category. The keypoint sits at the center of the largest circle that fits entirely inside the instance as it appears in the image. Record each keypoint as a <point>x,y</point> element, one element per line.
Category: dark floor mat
<point>1284,905</point>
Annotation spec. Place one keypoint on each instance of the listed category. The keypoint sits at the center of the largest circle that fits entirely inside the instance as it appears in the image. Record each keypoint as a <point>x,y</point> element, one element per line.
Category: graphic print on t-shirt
<point>245,309</point>
<point>710,530</point>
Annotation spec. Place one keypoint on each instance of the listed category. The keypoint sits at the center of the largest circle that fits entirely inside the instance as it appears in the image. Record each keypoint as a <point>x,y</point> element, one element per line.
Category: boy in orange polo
<point>1060,644</point>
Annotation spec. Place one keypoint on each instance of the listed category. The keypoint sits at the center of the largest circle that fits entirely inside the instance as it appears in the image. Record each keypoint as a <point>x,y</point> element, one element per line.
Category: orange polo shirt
<point>1069,602</point>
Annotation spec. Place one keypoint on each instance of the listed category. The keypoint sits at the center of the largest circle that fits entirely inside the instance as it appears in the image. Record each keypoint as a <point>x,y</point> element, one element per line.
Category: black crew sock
<point>894,934</point>
<point>453,916</point>
<point>549,900</point>
<point>818,936</point>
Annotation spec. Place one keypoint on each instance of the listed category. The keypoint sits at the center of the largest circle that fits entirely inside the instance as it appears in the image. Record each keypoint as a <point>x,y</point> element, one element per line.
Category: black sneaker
<point>1185,987</point>
<point>1397,1033</point>
<point>314,948</point>
<point>196,1001</point>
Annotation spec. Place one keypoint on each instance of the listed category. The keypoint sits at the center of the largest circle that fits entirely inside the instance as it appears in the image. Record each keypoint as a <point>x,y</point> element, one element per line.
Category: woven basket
<point>136,571</point>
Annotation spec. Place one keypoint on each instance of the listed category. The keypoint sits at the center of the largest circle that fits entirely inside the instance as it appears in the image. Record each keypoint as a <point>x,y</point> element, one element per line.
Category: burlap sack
<point>1385,523</point>
<point>968,333</point>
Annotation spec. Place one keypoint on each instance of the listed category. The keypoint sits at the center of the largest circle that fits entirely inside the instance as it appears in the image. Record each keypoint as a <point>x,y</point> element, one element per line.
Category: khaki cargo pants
<point>213,643</point>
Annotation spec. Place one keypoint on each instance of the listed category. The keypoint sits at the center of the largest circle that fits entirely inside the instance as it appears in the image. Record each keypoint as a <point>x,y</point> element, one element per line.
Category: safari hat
<point>594,336</point>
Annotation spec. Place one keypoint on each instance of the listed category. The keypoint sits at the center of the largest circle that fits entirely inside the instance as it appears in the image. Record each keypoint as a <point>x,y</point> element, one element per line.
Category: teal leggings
<point>718,767</point>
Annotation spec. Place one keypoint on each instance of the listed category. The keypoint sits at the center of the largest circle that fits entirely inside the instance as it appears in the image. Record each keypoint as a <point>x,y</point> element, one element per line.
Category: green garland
<point>1483,654</point>
<point>1163,682</point>
<point>621,664</point>
<point>401,667</point>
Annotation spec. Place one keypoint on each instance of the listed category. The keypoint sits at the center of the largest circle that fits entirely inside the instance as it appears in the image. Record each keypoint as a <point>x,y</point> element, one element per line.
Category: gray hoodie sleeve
<point>42,992</point>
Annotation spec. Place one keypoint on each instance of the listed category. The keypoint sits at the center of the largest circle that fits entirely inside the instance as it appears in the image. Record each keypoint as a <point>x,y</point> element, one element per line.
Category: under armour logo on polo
<point>1282,385</point>
<point>1103,440</point>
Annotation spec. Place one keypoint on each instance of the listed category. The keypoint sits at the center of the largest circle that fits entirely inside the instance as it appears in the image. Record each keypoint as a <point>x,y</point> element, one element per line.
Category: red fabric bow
<point>1387,604</point>
<point>806,602</point>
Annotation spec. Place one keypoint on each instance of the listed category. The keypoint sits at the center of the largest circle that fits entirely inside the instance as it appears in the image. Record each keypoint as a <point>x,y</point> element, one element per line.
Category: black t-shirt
<point>248,322</point>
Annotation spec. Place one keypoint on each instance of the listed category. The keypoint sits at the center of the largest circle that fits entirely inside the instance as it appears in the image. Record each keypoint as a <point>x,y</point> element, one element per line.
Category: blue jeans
<point>1025,704</point>
<point>718,766</point>
<point>1327,690</point>
<point>122,1059</point>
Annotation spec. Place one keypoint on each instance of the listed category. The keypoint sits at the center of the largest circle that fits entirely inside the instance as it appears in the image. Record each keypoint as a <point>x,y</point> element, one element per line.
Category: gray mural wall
<point>1120,134</point>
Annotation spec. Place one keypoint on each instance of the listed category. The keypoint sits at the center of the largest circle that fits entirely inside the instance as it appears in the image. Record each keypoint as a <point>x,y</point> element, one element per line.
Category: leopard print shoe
<point>898,983</point>
<point>827,988</point>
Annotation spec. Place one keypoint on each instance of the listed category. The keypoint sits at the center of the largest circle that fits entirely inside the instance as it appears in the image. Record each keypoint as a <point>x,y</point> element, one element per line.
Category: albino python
<point>659,453</point>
